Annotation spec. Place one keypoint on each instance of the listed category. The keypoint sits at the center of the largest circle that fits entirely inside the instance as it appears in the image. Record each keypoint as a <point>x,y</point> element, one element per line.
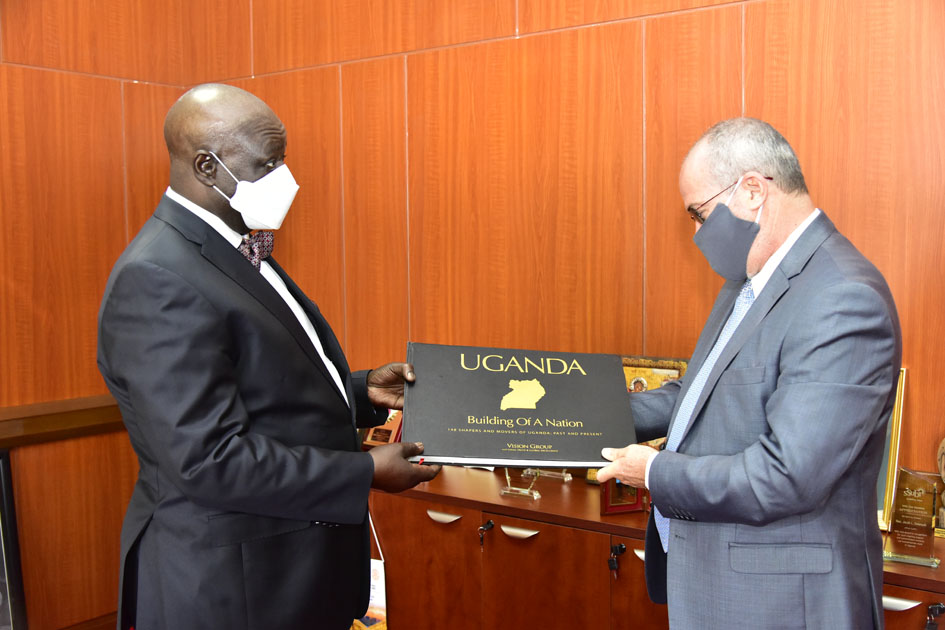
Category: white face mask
<point>264,202</point>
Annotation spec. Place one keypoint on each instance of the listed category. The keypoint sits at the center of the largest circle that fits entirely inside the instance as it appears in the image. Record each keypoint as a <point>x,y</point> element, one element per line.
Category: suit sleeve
<point>367,415</point>
<point>652,410</point>
<point>164,345</point>
<point>836,374</point>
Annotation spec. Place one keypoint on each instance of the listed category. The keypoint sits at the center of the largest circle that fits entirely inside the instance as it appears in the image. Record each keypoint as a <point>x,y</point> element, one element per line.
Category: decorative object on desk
<point>592,476</point>
<point>12,600</point>
<point>515,491</point>
<point>886,480</point>
<point>520,408</point>
<point>386,433</point>
<point>560,473</point>
<point>645,373</point>
<point>616,498</point>
<point>911,531</point>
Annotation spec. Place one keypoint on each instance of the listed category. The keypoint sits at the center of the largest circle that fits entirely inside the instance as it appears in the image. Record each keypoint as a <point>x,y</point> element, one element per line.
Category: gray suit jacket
<point>251,501</point>
<point>772,493</point>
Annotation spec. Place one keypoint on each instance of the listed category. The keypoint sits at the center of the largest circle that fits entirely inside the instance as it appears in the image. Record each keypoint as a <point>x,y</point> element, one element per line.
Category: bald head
<point>235,126</point>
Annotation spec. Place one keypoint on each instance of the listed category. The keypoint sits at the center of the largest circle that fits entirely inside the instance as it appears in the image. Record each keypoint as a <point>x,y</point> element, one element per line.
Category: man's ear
<point>757,186</point>
<point>205,168</point>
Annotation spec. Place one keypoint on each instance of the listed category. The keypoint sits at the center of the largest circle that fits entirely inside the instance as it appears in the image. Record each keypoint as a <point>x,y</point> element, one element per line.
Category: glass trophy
<point>561,474</point>
<point>521,492</point>
<point>911,536</point>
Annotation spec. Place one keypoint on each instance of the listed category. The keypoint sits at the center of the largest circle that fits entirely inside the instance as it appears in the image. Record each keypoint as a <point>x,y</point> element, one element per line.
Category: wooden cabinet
<point>907,608</point>
<point>526,573</point>
<point>536,575</point>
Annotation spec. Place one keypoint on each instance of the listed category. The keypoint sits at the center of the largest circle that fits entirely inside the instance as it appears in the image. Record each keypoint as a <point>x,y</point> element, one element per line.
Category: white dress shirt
<point>234,238</point>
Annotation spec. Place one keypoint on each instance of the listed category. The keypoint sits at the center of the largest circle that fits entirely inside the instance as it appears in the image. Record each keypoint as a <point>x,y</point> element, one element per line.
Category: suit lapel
<point>227,259</point>
<point>325,334</point>
<point>779,283</point>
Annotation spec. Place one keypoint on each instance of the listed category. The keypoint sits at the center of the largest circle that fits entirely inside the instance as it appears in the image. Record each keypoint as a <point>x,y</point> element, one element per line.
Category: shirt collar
<point>233,237</point>
<point>760,279</point>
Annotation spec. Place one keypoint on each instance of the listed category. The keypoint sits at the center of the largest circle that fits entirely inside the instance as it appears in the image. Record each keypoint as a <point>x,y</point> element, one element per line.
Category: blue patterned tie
<point>684,415</point>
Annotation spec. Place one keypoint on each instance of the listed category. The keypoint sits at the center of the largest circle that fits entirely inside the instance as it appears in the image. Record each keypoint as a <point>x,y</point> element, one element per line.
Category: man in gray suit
<point>765,494</point>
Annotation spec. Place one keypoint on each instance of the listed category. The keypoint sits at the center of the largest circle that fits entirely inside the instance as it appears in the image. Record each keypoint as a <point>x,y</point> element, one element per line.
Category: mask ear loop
<point>727,201</point>
<point>228,172</point>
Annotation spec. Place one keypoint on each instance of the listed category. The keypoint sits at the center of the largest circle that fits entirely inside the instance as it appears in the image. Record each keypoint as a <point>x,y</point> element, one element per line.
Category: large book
<point>505,407</point>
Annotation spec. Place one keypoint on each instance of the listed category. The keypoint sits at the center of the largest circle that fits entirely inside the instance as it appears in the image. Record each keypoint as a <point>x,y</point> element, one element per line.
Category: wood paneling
<point>525,161</point>
<point>70,502</point>
<point>687,90</point>
<point>297,33</point>
<point>166,42</point>
<point>857,88</point>
<point>375,211</point>
<point>542,15</point>
<point>309,245</point>
<point>147,166</point>
<point>61,200</point>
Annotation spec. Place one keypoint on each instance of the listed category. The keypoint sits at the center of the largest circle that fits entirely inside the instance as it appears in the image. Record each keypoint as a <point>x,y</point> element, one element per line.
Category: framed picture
<point>643,373</point>
<point>387,433</point>
<point>616,497</point>
<point>889,470</point>
<point>13,604</point>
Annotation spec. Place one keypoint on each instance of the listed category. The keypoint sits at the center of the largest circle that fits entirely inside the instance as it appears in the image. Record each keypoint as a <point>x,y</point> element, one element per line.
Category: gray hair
<point>738,145</point>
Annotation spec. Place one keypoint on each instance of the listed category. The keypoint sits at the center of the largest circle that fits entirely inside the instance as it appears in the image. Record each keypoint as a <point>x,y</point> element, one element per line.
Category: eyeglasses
<point>696,215</point>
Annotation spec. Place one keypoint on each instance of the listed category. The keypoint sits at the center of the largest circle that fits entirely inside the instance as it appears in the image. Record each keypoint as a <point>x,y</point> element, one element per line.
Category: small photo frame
<point>616,498</point>
<point>387,433</point>
<point>889,470</point>
<point>645,373</point>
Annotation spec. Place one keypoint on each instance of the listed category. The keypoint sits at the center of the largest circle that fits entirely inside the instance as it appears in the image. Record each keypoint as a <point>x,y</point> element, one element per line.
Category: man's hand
<point>385,385</point>
<point>629,464</point>
<point>392,471</point>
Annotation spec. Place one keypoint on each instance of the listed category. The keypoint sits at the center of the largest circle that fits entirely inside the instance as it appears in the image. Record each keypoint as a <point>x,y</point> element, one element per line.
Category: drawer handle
<point>443,517</point>
<point>639,553</point>
<point>518,532</point>
<point>898,604</point>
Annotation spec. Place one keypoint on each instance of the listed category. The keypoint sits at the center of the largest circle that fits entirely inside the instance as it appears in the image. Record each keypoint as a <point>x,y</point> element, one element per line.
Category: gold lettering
<point>490,356</point>
<point>537,366</point>
<point>576,366</point>
<point>462,361</point>
<point>513,362</point>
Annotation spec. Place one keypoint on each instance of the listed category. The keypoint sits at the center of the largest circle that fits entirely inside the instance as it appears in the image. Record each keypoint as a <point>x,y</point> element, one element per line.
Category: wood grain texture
<point>544,581</point>
<point>297,33</point>
<point>147,165</point>
<point>310,244</point>
<point>630,606</point>
<point>166,42</point>
<point>375,211</point>
<point>856,88</point>
<point>70,501</point>
<point>61,195</point>
<point>543,15</point>
<point>525,162</point>
<point>432,569</point>
<point>687,91</point>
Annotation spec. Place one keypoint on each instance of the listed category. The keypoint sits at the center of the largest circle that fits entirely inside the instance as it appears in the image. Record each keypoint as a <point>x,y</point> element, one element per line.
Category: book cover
<point>506,407</point>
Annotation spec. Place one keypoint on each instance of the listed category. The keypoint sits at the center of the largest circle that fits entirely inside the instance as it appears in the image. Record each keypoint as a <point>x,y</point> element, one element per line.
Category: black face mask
<point>725,241</point>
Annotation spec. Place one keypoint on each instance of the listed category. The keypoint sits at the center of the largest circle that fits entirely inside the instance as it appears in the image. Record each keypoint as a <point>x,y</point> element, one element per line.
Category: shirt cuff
<point>646,473</point>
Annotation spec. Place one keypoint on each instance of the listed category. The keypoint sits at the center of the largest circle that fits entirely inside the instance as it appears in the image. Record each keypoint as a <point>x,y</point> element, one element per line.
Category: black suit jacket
<point>251,501</point>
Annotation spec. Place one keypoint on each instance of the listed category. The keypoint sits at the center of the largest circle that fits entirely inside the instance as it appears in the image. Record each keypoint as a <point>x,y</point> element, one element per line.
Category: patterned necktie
<point>684,415</point>
<point>256,247</point>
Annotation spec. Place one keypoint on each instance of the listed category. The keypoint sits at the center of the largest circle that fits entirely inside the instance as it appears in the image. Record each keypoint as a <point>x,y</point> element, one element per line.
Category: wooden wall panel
<point>167,42</point>
<point>70,501</point>
<point>297,33</point>
<point>375,211</point>
<point>310,244</point>
<point>542,15</point>
<point>693,79</point>
<point>525,162</point>
<point>147,167</point>
<point>857,88</point>
<point>61,196</point>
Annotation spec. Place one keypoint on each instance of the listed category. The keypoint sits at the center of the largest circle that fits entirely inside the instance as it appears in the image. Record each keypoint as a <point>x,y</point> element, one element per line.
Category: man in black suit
<point>250,509</point>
